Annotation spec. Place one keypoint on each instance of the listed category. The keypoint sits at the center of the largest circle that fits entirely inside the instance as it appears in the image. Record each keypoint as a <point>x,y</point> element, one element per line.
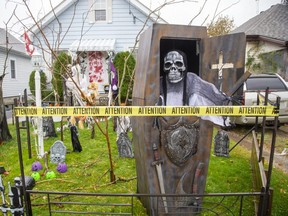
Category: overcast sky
<point>180,13</point>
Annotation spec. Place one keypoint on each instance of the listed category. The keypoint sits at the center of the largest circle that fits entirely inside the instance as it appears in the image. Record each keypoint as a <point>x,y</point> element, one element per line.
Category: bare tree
<point>4,129</point>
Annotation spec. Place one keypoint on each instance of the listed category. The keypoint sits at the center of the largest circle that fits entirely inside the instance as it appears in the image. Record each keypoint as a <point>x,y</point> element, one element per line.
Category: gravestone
<point>58,152</point>
<point>162,166</point>
<point>48,127</point>
<point>124,146</point>
<point>221,144</point>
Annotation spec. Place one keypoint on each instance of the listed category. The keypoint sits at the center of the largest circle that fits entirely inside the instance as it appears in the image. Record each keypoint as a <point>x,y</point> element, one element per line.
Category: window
<point>261,83</point>
<point>13,69</point>
<point>100,10</point>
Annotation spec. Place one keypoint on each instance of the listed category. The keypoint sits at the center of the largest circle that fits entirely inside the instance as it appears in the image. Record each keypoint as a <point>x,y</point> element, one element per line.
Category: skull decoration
<point>36,166</point>
<point>174,66</point>
<point>62,167</point>
<point>35,176</point>
<point>50,175</point>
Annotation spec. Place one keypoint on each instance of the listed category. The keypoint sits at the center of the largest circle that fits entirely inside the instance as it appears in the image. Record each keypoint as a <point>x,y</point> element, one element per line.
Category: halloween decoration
<point>35,176</point>
<point>74,139</point>
<point>48,127</point>
<point>221,144</point>
<point>50,175</point>
<point>62,167</point>
<point>15,193</point>
<point>174,68</point>
<point>124,146</point>
<point>58,152</point>
<point>36,166</point>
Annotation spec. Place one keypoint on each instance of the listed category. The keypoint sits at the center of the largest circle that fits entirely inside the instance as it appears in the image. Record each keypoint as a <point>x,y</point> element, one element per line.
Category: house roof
<point>14,44</point>
<point>63,5</point>
<point>270,24</point>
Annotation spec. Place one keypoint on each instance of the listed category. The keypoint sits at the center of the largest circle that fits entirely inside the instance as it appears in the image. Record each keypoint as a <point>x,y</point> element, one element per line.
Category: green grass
<point>88,171</point>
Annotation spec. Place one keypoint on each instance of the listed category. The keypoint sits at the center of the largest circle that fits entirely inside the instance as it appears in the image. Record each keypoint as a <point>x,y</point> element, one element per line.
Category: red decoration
<point>95,67</point>
<point>28,46</point>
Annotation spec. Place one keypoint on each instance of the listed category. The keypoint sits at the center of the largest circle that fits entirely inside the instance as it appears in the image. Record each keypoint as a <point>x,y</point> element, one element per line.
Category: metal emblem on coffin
<point>180,142</point>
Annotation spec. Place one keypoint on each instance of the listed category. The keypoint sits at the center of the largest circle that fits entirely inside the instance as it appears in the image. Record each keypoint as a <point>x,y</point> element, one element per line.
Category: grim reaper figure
<point>179,136</point>
<point>179,87</point>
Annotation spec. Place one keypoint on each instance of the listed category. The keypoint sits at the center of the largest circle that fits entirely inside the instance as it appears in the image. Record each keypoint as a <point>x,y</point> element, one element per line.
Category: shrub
<point>119,62</point>
<point>43,81</point>
<point>60,70</point>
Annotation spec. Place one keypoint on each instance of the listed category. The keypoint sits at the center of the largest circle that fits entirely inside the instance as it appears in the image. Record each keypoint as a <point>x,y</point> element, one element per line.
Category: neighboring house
<point>92,29</point>
<point>267,41</point>
<point>18,65</point>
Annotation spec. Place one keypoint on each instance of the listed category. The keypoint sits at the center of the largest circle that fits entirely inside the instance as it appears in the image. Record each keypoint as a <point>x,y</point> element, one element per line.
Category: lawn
<point>88,171</point>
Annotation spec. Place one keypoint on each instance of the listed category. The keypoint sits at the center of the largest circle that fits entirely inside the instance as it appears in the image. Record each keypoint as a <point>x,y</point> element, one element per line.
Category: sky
<point>181,13</point>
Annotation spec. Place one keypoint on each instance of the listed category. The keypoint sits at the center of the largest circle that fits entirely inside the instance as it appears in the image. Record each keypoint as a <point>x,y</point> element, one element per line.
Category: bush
<point>43,81</point>
<point>59,70</point>
<point>119,62</point>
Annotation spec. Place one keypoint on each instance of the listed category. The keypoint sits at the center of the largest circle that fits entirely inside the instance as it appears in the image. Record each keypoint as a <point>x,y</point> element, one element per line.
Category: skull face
<point>174,66</point>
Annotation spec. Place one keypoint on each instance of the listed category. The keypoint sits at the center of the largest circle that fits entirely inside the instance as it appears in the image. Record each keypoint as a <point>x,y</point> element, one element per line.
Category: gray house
<point>267,41</point>
<point>18,66</point>
<point>91,30</point>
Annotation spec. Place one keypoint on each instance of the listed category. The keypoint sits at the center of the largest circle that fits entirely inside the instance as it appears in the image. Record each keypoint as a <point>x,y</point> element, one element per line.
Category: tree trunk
<point>4,129</point>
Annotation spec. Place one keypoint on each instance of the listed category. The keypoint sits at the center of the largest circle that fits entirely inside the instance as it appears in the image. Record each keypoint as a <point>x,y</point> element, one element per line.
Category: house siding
<point>127,22</point>
<point>122,28</point>
<point>14,87</point>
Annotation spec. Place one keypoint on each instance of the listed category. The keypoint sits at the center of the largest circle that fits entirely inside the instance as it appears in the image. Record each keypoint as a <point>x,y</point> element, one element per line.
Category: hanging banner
<point>148,111</point>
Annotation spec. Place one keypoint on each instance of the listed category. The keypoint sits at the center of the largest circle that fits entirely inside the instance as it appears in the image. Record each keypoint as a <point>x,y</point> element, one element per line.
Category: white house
<point>92,29</point>
<point>18,64</point>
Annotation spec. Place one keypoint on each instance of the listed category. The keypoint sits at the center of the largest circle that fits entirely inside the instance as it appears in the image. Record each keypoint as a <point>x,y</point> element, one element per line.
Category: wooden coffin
<point>190,175</point>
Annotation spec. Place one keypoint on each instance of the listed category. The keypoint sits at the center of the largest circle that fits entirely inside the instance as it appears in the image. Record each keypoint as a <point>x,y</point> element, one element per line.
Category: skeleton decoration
<point>179,87</point>
<point>174,66</point>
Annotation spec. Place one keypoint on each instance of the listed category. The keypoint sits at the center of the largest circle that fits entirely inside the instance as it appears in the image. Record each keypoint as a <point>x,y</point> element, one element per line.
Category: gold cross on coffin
<point>220,66</point>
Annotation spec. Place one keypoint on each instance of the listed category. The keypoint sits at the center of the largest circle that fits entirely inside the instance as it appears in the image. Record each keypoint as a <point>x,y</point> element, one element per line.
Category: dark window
<point>13,69</point>
<point>261,83</point>
<point>100,10</point>
<point>100,15</point>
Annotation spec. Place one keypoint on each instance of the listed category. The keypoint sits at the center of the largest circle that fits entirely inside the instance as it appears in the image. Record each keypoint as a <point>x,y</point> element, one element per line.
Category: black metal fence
<point>73,203</point>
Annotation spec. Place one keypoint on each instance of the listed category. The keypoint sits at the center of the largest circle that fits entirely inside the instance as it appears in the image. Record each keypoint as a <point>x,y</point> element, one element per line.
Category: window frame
<point>104,7</point>
<point>100,7</point>
<point>12,68</point>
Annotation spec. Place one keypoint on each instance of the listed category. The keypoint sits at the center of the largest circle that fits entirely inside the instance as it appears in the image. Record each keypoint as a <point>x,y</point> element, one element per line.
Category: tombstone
<point>58,152</point>
<point>160,168</point>
<point>48,127</point>
<point>75,140</point>
<point>221,144</point>
<point>124,145</point>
